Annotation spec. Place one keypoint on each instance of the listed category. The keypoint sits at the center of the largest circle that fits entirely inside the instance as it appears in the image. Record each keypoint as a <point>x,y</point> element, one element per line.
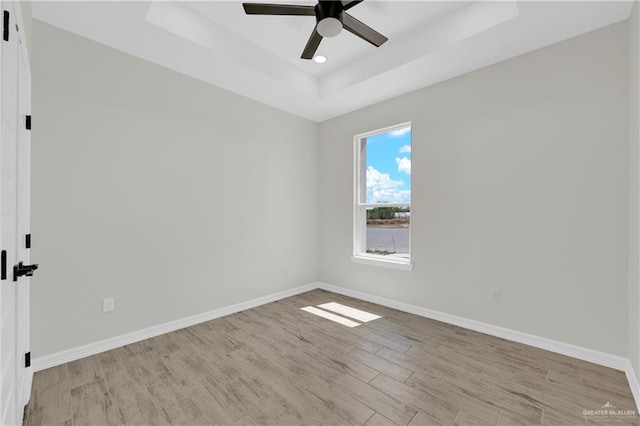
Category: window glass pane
<point>388,231</point>
<point>388,167</point>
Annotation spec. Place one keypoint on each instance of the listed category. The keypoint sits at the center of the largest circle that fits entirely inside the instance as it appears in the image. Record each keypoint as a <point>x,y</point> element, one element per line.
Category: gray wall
<point>173,196</point>
<point>634,188</point>
<point>520,182</point>
<point>176,197</point>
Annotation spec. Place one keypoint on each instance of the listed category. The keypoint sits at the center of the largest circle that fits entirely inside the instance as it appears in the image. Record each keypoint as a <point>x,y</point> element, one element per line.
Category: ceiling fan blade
<point>278,9</point>
<point>312,45</point>
<point>349,4</point>
<point>363,31</point>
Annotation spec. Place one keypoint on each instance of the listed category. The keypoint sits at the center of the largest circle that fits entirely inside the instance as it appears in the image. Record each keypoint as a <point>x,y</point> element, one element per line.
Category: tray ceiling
<point>259,56</point>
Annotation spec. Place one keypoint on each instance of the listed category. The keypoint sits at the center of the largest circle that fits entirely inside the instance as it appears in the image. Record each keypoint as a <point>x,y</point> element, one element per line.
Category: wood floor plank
<point>83,371</point>
<point>133,404</point>
<point>420,419</point>
<point>50,402</point>
<point>117,367</point>
<point>138,348</point>
<point>482,362</point>
<point>331,365</point>
<point>278,365</point>
<point>552,417</point>
<point>509,418</point>
<point>329,352</point>
<point>584,396</point>
<point>461,378</point>
<point>246,420</point>
<point>602,380</point>
<point>423,362</point>
<point>220,404</point>
<point>541,358</point>
<point>395,410</point>
<point>172,399</point>
<point>439,411</point>
<point>259,399</point>
<point>464,419</point>
<point>396,342</point>
<point>212,386</point>
<point>547,400</point>
<point>343,364</point>
<point>91,404</point>
<point>379,420</point>
<point>165,344</point>
<point>486,413</point>
<point>151,367</point>
<point>282,388</point>
<point>220,336</point>
<point>341,403</point>
<point>508,400</point>
<point>55,376</point>
<point>380,364</point>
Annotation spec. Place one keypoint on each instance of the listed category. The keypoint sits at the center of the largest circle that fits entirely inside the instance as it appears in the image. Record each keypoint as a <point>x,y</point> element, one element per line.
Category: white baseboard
<point>136,336</point>
<point>633,383</point>
<point>590,355</point>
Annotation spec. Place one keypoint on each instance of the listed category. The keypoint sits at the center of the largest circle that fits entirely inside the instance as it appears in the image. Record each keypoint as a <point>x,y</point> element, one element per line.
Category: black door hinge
<point>5,26</point>
<point>3,265</point>
<point>28,122</point>
<point>27,360</point>
<point>27,241</point>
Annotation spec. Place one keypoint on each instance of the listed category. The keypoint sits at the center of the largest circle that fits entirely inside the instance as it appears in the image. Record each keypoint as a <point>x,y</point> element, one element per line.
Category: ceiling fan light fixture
<point>320,59</point>
<point>329,27</point>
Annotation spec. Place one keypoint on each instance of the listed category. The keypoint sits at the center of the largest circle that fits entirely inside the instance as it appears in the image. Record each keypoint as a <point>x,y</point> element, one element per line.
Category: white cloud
<point>381,188</point>
<point>379,180</point>
<point>390,196</point>
<point>404,165</point>
<point>405,148</point>
<point>400,132</point>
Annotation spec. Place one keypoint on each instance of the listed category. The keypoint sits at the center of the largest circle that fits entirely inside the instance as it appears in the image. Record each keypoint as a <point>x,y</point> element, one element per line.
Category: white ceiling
<point>286,36</point>
<point>259,56</point>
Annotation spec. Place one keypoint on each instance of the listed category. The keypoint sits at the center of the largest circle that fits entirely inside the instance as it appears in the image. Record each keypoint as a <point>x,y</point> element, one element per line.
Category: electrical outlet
<point>108,305</point>
<point>494,295</point>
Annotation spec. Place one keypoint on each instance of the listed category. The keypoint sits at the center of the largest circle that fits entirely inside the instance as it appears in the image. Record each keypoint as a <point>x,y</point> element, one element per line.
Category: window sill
<point>384,263</point>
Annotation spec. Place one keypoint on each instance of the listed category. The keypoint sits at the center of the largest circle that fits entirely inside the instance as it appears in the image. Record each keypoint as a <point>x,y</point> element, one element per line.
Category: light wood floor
<point>278,365</point>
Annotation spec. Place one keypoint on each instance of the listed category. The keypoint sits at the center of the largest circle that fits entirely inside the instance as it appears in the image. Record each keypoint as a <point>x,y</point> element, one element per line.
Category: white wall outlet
<point>108,305</point>
<point>494,295</point>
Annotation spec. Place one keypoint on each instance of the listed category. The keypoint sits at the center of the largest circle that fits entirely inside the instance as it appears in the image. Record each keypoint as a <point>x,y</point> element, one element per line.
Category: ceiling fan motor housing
<point>329,18</point>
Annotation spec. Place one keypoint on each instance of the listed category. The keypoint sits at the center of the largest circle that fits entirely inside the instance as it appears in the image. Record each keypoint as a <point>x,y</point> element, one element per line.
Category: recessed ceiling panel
<point>286,36</point>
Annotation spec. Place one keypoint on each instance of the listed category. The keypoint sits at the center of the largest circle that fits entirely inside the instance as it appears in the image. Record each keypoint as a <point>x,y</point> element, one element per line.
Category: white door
<point>15,150</point>
<point>8,216</point>
<point>24,373</point>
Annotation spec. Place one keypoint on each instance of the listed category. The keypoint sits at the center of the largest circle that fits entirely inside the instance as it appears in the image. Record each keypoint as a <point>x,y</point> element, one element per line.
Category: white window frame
<point>360,206</point>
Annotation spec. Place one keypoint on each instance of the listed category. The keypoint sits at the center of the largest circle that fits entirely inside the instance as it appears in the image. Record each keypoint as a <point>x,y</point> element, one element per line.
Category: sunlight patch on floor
<point>343,311</point>
<point>350,312</point>
<point>330,316</point>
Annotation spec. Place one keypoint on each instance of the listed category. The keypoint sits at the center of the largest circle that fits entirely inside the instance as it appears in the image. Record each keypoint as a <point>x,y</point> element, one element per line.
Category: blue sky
<point>389,167</point>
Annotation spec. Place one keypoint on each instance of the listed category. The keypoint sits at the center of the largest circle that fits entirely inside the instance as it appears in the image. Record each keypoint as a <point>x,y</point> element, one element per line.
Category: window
<point>382,208</point>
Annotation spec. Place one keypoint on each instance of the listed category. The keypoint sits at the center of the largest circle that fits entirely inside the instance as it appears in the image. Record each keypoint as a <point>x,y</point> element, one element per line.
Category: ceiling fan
<point>331,18</point>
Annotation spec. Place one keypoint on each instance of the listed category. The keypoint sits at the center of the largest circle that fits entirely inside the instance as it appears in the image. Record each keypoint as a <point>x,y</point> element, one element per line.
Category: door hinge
<point>3,265</point>
<point>27,241</point>
<point>5,26</point>
<point>28,123</point>
<point>27,359</point>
